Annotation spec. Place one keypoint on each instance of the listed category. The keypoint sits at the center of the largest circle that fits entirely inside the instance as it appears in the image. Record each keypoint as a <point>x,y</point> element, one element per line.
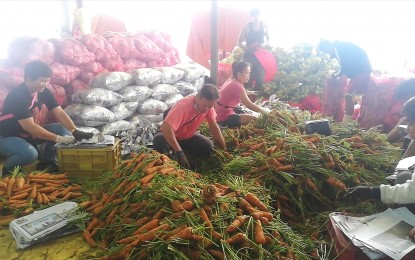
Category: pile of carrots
<point>150,206</point>
<point>305,172</point>
<point>21,194</point>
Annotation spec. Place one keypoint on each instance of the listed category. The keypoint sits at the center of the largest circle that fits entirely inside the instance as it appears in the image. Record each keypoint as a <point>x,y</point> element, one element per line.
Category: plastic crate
<point>88,162</point>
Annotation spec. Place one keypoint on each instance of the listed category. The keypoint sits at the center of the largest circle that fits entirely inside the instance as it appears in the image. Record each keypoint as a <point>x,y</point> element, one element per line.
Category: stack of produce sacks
<point>131,105</point>
<point>75,62</point>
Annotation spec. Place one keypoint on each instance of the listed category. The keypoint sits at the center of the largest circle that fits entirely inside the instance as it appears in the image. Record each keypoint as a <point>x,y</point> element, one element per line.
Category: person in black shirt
<point>354,63</point>
<point>23,123</point>
<point>254,34</point>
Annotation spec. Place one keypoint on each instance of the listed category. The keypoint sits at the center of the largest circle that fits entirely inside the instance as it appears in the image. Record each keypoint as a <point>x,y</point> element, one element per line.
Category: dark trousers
<point>196,146</point>
<point>257,72</point>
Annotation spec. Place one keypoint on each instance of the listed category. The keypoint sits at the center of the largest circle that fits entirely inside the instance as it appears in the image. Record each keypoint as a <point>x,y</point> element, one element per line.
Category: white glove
<point>67,139</point>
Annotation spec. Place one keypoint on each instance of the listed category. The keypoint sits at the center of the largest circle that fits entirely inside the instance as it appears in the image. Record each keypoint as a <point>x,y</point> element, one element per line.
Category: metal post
<point>214,41</point>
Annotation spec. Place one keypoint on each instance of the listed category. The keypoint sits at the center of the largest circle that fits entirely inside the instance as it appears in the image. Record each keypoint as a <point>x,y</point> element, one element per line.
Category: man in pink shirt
<point>178,130</point>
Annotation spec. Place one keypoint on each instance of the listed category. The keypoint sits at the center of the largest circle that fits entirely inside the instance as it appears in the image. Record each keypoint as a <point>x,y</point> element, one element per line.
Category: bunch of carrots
<point>150,206</point>
<point>21,194</point>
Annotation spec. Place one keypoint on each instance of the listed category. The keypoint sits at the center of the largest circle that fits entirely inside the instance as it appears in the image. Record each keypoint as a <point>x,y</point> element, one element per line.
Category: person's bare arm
<point>217,134</point>
<point>63,118</point>
<point>248,103</point>
<point>29,125</point>
<point>242,37</point>
<point>170,136</point>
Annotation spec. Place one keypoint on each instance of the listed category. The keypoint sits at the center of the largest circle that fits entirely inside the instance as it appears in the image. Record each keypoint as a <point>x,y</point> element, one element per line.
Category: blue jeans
<point>20,152</point>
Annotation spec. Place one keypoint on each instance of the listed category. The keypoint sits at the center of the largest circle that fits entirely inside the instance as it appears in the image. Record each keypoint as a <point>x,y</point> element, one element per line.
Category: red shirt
<point>185,119</point>
<point>230,97</point>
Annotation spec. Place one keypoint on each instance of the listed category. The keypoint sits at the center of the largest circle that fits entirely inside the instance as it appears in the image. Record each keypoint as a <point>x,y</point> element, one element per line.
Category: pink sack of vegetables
<point>73,52</point>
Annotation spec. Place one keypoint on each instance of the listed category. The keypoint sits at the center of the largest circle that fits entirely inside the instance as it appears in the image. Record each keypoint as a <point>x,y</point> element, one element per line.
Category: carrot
<point>128,240</point>
<point>236,239</point>
<point>3,185</point>
<point>94,222</point>
<point>259,233</point>
<point>67,196</point>
<point>10,186</point>
<point>159,214</point>
<point>237,223</point>
<point>33,192</point>
<point>16,201</point>
<point>243,204</point>
<point>2,192</point>
<point>76,188</point>
<point>97,210</point>
<point>310,183</point>
<point>150,164</point>
<point>51,198</point>
<point>130,187</point>
<point>258,214</point>
<point>152,234</point>
<point>75,195</point>
<point>84,204</point>
<point>19,206</point>
<point>176,215</point>
<point>121,186</point>
<point>100,225</point>
<point>275,162</point>
<point>358,145</point>
<point>20,182</point>
<point>254,201</point>
<point>186,234</point>
<point>187,205</point>
<point>87,236</point>
<point>23,191</point>
<point>65,191</point>
<point>141,221</point>
<point>336,183</point>
<point>216,254</point>
<point>285,168</point>
<point>111,215</point>
<point>48,189</point>
<point>264,221</point>
<point>20,196</point>
<point>148,178</point>
<point>174,232</point>
<point>204,217</point>
<point>166,170</point>
<point>149,226</point>
<point>39,198</point>
<point>152,169</point>
<point>45,198</point>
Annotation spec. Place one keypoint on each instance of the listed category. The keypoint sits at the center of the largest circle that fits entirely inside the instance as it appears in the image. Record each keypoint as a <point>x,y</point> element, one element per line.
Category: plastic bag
<point>146,76</point>
<point>141,120</point>
<point>117,126</point>
<point>89,115</point>
<point>152,106</point>
<point>185,88</point>
<point>170,75</point>
<point>135,93</point>
<point>192,71</point>
<point>172,99</point>
<point>88,129</point>
<point>97,96</point>
<point>198,84</point>
<point>163,91</point>
<point>112,80</point>
<point>123,110</point>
